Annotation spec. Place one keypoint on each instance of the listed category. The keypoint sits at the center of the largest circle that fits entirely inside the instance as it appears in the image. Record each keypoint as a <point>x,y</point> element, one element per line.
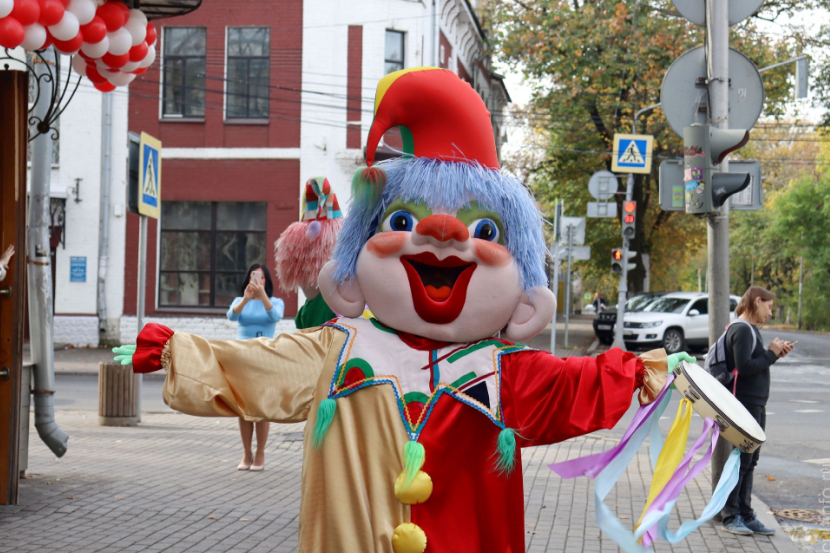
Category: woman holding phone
<point>257,313</point>
<point>752,390</point>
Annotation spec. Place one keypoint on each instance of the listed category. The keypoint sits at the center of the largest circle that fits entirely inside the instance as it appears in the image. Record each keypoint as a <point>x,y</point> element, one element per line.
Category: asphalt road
<point>79,392</point>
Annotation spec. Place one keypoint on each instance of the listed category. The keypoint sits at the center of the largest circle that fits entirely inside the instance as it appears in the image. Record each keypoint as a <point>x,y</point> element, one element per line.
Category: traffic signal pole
<point>717,271</point>
<point>718,220</point>
<point>622,290</point>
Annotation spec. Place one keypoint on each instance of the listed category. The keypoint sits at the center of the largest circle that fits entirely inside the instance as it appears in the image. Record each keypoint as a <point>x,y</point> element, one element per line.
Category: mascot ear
<point>532,315</point>
<point>346,299</point>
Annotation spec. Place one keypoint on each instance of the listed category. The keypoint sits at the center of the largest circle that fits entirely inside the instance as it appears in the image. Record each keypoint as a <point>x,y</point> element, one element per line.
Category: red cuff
<point>150,343</point>
<point>639,373</point>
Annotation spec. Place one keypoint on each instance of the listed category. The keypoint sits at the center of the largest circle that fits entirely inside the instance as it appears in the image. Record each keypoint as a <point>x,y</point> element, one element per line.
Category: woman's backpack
<point>715,363</point>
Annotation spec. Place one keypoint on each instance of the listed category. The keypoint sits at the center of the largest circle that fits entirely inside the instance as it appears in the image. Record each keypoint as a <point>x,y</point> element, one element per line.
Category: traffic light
<point>617,261</point>
<point>705,147</point>
<point>629,220</point>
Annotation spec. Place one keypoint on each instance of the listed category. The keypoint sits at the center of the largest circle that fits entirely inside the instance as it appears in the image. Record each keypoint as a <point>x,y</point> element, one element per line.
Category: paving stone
<point>170,485</point>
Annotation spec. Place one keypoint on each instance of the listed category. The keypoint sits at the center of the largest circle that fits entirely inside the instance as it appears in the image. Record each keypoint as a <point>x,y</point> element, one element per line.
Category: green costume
<point>313,313</point>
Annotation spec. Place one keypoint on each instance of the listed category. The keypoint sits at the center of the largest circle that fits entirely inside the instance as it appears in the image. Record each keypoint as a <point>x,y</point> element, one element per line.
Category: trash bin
<point>118,390</point>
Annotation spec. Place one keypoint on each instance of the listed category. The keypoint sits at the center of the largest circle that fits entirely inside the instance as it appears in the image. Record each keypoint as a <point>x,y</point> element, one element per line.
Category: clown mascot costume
<point>305,246</point>
<point>416,417</point>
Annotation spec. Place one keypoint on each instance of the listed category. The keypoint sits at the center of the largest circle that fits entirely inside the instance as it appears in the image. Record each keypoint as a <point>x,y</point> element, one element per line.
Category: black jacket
<point>753,365</point>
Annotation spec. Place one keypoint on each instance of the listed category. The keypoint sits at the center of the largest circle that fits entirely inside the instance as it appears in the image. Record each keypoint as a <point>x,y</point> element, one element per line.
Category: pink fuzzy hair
<point>300,255</point>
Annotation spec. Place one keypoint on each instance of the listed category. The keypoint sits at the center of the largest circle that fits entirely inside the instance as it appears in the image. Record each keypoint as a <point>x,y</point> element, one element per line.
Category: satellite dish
<point>685,96</point>
<point>695,10</point>
<point>603,185</point>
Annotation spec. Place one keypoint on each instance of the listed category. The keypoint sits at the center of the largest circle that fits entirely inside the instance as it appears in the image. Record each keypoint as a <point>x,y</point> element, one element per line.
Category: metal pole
<point>718,222</point>
<point>800,288</point>
<point>103,244</point>
<point>717,270</point>
<point>142,279</point>
<point>556,292</point>
<point>38,259</point>
<point>622,293</point>
<point>568,285</point>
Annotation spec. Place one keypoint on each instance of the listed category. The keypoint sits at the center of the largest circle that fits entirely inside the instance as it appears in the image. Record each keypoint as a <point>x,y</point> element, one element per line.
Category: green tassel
<point>367,185</point>
<point>413,459</point>
<point>325,414</point>
<point>506,451</point>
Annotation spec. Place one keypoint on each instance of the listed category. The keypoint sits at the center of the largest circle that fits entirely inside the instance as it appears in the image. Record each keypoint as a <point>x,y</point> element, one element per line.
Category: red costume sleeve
<point>548,400</point>
<point>150,343</point>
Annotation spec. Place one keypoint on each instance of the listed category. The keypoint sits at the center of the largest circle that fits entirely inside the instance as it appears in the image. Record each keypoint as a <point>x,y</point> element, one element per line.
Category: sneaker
<point>736,526</point>
<point>758,528</point>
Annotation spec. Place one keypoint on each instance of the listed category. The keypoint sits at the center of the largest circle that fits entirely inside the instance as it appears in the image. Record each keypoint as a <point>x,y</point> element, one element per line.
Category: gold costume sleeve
<point>656,363</point>
<point>258,379</point>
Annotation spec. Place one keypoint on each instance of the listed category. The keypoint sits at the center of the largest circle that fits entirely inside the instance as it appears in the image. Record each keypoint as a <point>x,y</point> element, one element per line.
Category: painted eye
<point>485,229</point>
<point>401,221</point>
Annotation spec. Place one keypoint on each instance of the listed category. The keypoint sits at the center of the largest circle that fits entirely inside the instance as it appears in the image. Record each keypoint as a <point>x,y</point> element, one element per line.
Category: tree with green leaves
<point>593,65</point>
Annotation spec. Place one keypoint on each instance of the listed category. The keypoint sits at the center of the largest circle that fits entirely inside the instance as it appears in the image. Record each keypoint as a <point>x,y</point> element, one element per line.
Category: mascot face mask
<point>440,243</point>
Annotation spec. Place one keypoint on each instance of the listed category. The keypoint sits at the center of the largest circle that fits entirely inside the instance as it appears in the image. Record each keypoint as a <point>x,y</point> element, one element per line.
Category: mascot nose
<point>443,228</point>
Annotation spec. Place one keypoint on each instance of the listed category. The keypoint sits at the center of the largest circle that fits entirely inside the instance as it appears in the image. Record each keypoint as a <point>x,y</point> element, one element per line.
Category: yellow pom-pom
<point>409,538</point>
<point>418,490</point>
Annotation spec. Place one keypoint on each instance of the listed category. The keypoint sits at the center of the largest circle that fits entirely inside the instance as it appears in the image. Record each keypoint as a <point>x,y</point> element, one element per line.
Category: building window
<point>184,72</point>
<point>393,58</point>
<point>206,249</point>
<point>249,57</point>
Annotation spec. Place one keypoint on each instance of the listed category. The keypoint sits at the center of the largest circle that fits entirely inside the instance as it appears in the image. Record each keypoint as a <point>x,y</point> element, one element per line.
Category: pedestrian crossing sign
<point>149,176</point>
<point>632,153</point>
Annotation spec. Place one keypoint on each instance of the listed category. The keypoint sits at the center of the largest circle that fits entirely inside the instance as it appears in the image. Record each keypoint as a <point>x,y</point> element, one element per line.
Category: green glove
<point>124,354</point>
<point>676,358</point>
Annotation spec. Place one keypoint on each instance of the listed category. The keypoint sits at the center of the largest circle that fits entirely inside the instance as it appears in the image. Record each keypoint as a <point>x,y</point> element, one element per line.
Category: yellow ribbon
<point>671,454</point>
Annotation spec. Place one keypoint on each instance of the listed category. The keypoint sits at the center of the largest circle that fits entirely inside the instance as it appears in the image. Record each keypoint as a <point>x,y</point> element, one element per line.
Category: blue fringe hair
<point>449,186</point>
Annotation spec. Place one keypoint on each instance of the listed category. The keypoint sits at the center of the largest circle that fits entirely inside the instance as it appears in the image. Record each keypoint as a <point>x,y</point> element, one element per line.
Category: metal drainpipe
<point>435,35</point>
<point>40,278</point>
<point>103,242</point>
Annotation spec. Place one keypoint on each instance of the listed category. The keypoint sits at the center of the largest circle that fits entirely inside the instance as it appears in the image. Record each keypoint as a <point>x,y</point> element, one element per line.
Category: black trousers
<point>740,500</point>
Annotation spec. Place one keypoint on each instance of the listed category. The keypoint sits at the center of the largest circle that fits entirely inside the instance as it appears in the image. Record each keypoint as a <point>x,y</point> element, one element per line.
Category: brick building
<point>250,99</point>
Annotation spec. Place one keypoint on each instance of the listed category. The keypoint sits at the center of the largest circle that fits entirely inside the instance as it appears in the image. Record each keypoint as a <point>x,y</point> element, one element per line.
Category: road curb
<point>781,540</point>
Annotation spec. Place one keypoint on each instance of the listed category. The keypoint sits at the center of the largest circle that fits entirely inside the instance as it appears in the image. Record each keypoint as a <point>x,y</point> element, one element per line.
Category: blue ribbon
<point>611,526</point>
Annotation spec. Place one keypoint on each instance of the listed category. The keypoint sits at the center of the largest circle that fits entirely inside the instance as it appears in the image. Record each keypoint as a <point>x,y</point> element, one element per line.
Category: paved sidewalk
<point>170,485</point>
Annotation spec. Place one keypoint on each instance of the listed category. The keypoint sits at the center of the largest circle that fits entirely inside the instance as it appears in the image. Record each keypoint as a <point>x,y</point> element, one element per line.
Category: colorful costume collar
<point>373,354</point>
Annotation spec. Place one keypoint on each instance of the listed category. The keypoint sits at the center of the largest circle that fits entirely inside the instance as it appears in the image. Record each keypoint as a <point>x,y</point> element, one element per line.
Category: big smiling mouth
<point>439,286</point>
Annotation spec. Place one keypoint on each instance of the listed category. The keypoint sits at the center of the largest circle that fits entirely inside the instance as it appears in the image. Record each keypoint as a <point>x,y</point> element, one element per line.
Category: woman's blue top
<point>255,321</point>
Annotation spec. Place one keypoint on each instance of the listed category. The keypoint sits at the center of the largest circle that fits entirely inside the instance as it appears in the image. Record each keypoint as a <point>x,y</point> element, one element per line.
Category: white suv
<point>674,322</point>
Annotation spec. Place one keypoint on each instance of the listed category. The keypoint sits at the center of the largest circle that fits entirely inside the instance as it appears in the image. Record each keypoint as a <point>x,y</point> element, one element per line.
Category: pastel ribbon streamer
<point>671,491</point>
<point>728,481</point>
<point>607,467</point>
<point>671,454</point>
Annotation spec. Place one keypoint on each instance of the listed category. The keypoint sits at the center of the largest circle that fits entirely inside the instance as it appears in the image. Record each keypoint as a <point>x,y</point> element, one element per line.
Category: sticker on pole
<point>149,176</point>
<point>632,153</point>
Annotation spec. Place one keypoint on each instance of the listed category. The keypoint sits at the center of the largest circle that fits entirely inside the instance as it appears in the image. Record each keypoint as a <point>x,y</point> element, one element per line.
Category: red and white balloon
<point>113,43</point>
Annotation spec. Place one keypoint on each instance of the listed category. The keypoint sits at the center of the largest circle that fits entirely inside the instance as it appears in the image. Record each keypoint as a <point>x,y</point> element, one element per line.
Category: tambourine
<point>711,399</point>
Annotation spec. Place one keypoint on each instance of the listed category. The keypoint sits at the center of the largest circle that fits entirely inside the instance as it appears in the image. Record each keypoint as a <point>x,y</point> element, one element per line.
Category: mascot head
<point>440,243</point>
<point>305,246</point>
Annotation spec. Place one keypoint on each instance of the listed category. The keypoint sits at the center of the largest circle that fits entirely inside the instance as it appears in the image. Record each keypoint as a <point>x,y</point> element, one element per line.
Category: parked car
<point>675,321</point>
<point>605,320</point>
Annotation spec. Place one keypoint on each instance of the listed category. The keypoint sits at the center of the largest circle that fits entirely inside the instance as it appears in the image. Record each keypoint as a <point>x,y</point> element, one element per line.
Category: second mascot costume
<point>414,417</point>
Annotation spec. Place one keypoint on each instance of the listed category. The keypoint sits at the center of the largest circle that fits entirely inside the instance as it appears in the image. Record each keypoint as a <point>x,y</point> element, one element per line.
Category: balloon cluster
<point>113,43</point>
